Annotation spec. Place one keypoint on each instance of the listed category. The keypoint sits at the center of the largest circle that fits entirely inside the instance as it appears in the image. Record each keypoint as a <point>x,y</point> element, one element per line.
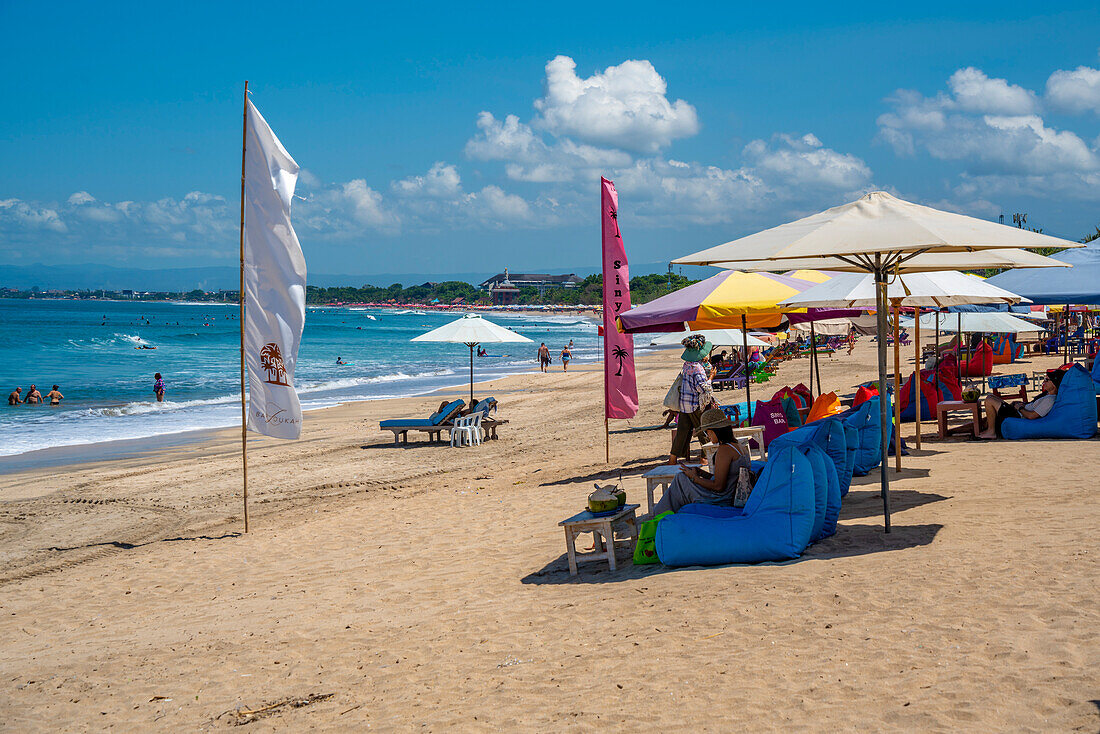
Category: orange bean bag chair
<point>827,404</point>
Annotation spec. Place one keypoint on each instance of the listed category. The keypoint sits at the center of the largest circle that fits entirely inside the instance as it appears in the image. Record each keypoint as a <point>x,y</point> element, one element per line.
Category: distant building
<point>502,292</point>
<point>534,280</point>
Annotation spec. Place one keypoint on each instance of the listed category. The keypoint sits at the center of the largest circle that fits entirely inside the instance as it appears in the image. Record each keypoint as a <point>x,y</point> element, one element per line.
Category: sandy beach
<point>426,587</point>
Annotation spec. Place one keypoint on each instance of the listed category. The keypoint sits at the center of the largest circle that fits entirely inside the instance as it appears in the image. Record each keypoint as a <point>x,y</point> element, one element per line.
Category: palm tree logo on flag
<point>271,360</point>
<point>620,354</point>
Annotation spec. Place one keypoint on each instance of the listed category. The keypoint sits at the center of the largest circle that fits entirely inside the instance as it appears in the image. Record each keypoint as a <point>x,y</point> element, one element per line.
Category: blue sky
<point>450,137</point>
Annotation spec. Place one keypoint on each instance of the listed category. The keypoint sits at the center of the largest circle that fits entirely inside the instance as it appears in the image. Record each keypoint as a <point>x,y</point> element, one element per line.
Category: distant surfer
<point>55,396</point>
<point>158,387</point>
<point>481,352</point>
<point>340,360</point>
<point>33,397</point>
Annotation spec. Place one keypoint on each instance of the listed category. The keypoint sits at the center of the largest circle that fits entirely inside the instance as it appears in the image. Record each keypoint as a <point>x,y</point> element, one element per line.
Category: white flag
<point>274,283</point>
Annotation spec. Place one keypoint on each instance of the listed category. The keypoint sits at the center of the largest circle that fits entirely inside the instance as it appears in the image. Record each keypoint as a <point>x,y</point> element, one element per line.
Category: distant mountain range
<point>106,277</point>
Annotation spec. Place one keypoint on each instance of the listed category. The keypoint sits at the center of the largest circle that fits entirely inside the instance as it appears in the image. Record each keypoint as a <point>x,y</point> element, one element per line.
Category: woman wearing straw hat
<point>719,486</point>
<point>695,394</point>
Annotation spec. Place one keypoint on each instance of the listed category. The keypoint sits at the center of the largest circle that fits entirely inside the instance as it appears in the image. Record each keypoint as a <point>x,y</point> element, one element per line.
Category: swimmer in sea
<point>340,360</point>
<point>16,398</point>
<point>34,397</point>
<point>55,396</point>
<point>158,387</point>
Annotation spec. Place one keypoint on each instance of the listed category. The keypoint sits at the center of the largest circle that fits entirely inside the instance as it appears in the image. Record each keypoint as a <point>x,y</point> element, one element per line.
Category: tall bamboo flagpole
<point>244,410</point>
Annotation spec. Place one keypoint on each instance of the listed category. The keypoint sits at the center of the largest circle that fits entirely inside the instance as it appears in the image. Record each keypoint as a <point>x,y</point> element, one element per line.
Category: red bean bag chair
<point>863,394</point>
<point>799,394</point>
<point>980,363</point>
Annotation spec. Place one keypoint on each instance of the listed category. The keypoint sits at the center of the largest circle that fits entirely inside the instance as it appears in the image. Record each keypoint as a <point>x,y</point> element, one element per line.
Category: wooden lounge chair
<point>433,425</point>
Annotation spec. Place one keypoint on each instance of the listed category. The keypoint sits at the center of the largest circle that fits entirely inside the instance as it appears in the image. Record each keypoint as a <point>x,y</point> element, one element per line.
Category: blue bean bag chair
<point>832,498</point>
<point>829,435</point>
<point>1073,414</point>
<point>774,525</point>
<point>1096,372</point>
<point>851,442</point>
<point>865,419</point>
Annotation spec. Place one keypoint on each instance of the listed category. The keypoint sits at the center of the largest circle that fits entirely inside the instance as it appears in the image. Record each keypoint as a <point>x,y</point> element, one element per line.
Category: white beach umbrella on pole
<point>930,289</point>
<point>471,330</point>
<point>877,234</point>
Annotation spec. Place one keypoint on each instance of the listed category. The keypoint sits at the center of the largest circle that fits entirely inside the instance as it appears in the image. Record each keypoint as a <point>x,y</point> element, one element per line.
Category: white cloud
<point>806,162</point>
<point>976,92</point>
<point>441,181</point>
<point>81,197</point>
<point>993,129</point>
<point>1074,91</point>
<point>366,204</point>
<point>624,106</point>
<point>20,213</point>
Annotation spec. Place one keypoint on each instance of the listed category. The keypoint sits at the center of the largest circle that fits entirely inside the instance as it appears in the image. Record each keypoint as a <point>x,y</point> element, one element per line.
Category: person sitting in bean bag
<point>997,408</point>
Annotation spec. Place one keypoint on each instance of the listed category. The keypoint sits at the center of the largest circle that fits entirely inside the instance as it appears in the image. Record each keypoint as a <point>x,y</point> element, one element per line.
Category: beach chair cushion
<point>407,423</point>
<point>1073,414</point>
<point>826,405</point>
<point>775,525</point>
<point>447,413</point>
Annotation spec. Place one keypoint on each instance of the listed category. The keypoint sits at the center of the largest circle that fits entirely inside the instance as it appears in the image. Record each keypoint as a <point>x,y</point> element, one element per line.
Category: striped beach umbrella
<point>729,299</point>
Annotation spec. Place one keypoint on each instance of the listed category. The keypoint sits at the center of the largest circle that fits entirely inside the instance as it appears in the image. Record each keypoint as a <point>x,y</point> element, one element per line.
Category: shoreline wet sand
<point>425,586</point>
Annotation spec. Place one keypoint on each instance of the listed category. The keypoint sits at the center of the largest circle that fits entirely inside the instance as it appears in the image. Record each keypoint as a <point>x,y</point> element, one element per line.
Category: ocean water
<point>88,348</point>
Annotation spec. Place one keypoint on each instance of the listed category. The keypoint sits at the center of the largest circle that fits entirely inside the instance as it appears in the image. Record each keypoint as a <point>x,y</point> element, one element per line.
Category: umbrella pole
<point>884,412</point>
<point>748,370</point>
<point>917,366</point>
<point>959,350</point>
<point>897,388</point>
<point>811,356</point>
<point>471,346</point>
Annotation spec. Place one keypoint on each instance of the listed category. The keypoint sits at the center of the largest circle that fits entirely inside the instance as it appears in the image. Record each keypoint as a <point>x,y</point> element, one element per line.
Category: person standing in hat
<point>725,484</point>
<point>695,394</point>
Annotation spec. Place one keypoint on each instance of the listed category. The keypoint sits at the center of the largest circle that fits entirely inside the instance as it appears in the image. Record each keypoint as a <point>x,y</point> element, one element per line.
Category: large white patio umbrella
<point>877,234</point>
<point>717,338</point>
<point>932,290</point>
<point>471,330</point>
<point>972,322</point>
<point>927,262</point>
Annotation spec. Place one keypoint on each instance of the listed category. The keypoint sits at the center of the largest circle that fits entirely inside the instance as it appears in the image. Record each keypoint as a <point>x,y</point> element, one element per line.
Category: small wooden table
<point>755,433</point>
<point>603,531</point>
<point>947,406</point>
<point>660,476</point>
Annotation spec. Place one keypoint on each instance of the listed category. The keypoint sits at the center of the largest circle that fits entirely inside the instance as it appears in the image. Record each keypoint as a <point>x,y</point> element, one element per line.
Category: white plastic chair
<point>467,430</point>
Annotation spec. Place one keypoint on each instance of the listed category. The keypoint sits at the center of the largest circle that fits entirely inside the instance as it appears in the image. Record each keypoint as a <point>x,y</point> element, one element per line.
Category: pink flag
<point>620,386</point>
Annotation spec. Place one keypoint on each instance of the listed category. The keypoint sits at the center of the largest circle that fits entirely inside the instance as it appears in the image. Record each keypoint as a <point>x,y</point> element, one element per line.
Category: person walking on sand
<point>544,356</point>
<point>566,355</point>
<point>16,398</point>
<point>55,396</point>
<point>158,387</point>
<point>33,397</point>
